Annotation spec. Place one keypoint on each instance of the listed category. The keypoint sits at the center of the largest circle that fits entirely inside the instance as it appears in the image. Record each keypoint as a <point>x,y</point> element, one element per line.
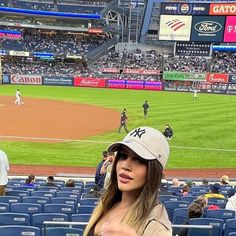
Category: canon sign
<point>208,27</point>
<point>26,79</point>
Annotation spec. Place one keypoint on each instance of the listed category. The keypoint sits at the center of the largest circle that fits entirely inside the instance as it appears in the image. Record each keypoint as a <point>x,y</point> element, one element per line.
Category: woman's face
<point>131,171</point>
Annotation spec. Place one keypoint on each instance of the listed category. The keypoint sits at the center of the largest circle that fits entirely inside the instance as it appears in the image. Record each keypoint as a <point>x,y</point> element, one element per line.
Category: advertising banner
<point>89,82</point>
<point>231,88</point>
<point>232,79</point>
<point>192,48</point>
<point>207,28</point>
<point>217,78</point>
<point>141,71</point>
<point>110,70</point>
<point>95,31</point>
<point>230,29</point>
<point>6,79</point>
<point>195,76</point>
<point>222,9</point>
<point>175,27</point>
<point>134,84</point>
<point>26,79</point>
<point>18,53</point>
<point>171,8</point>
<point>10,34</point>
<point>116,83</point>
<point>173,75</point>
<point>56,80</point>
<point>153,85</point>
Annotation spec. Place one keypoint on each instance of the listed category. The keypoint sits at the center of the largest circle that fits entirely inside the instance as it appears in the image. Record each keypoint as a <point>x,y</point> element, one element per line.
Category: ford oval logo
<point>208,27</point>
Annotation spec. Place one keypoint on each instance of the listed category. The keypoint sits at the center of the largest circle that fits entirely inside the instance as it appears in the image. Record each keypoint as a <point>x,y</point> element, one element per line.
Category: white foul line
<point>106,142</point>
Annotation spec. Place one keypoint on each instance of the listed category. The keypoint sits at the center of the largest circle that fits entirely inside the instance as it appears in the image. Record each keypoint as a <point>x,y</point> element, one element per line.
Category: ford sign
<point>208,27</point>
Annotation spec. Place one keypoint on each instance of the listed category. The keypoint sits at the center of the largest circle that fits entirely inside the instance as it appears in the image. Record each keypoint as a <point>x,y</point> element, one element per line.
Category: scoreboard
<point>198,22</point>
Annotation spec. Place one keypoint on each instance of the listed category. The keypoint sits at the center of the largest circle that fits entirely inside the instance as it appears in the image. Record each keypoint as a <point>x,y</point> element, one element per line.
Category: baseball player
<point>123,121</point>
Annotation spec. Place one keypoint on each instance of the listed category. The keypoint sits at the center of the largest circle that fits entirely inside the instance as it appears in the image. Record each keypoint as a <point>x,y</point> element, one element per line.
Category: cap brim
<point>136,147</point>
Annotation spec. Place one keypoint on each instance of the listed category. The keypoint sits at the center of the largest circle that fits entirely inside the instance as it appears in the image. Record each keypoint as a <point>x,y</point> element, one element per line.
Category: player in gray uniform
<point>123,121</point>
<point>145,109</point>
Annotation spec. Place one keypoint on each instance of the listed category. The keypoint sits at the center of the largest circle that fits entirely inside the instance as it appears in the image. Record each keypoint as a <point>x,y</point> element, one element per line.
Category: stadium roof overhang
<point>53,14</point>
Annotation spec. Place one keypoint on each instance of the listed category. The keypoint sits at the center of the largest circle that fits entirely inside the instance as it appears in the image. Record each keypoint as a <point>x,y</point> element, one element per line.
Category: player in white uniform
<point>195,94</point>
<point>18,99</point>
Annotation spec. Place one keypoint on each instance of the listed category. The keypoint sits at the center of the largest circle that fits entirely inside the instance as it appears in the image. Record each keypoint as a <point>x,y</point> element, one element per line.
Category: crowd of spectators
<point>223,62</point>
<point>19,66</point>
<point>58,43</point>
<point>186,64</point>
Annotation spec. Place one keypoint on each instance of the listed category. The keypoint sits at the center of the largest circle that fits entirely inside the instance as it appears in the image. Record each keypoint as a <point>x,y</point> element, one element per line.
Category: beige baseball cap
<point>147,142</point>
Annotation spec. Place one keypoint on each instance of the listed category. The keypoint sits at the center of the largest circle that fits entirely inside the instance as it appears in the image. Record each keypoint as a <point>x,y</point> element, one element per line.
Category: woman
<point>129,204</point>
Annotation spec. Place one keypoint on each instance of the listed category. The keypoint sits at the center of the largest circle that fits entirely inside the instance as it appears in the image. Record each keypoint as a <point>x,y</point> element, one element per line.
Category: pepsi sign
<point>171,8</point>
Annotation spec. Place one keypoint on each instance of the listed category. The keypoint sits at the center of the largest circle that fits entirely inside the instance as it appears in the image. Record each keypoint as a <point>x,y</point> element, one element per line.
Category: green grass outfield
<point>204,130</point>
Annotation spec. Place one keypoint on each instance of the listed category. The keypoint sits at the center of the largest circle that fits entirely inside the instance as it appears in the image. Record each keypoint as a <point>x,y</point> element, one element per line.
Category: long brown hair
<point>141,208</point>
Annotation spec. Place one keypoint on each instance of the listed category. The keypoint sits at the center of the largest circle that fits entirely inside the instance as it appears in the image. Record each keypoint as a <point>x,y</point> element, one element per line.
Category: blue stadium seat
<point>230,226</point>
<point>232,234</point>
<point>63,231</point>
<point>4,207</point>
<point>19,230</point>
<point>82,220</point>
<point>179,216</point>
<point>89,201</point>
<point>216,223</point>
<point>84,209</point>
<point>171,205</point>
<point>64,200</point>
<point>164,198</point>
<point>37,200</point>
<point>69,194</point>
<point>43,194</point>
<point>48,188</point>
<point>19,193</point>
<point>60,208</point>
<point>71,189</point>
<point>223,214</point>
<point>217,200</point>
<point>9,199</point>
<point>28,208</point>
<point>9,218</point>
<point>38,219</point>
<point>188,198</point>
<point>26,188</point>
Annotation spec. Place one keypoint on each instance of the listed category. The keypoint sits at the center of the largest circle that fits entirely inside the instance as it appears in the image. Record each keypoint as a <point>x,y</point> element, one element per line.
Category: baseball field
<point>37,134</point>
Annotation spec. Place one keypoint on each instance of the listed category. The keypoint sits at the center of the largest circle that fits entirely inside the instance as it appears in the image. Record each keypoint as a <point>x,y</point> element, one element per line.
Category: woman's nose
<point>126,165</point>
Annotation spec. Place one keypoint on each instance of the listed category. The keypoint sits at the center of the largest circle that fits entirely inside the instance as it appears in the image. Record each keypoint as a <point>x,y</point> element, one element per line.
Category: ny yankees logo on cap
<point>138,132</point>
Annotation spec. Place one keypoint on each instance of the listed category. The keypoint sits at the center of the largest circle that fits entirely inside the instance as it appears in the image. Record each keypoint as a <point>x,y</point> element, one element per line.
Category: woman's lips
<point>124,178</point>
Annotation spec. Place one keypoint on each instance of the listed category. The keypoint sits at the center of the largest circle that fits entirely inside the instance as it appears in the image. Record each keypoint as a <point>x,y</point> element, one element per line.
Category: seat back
<point>84,209</point>
<point>36,200</point>
<point>18,230</point>
<point>43,194</point>
<point>4,207</point>
<point>89,201</point>
<point>217,225</point>
<point>164,198</point>
<point>171,205</point>
<point>230,226</point>
<point>9,199</point>
<point>221,214</point>
<point>60,208</point>
<point>64,200</point>
<point>9,218</point>
<point>19,193</point>
<point>28,208</point>
<point>81,219</point>
<point>62,231</point>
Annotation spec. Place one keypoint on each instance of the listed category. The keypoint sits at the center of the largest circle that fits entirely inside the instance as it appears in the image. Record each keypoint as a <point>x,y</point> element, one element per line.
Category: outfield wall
<point>172,81</point>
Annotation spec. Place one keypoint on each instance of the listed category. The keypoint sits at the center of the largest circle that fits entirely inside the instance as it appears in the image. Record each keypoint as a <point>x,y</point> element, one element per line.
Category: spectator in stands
<point>224,180</point>
<point>203,202</point>
<point>186,191</point>
<point>190,183</point>
<point>94,192</point>
<point>29,181</point>
<point>204,182</point>
<point>50,181</point>
<point>175,182</point>
<point>128,206</point>
<point>4,168</point>
<point>100,174</point>
<point>70,183</point>
<point>168,132</point>
<point>231,204</point>
<point>214,192</point>
<point>194,211</point>
<point>107,167</point>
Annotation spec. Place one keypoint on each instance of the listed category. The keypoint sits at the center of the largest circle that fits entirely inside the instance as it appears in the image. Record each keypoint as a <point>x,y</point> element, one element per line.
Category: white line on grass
<point>106,142</point>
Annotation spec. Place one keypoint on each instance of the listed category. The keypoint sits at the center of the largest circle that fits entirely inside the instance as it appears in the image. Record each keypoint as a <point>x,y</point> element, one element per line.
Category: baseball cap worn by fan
<point>147,142</point>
